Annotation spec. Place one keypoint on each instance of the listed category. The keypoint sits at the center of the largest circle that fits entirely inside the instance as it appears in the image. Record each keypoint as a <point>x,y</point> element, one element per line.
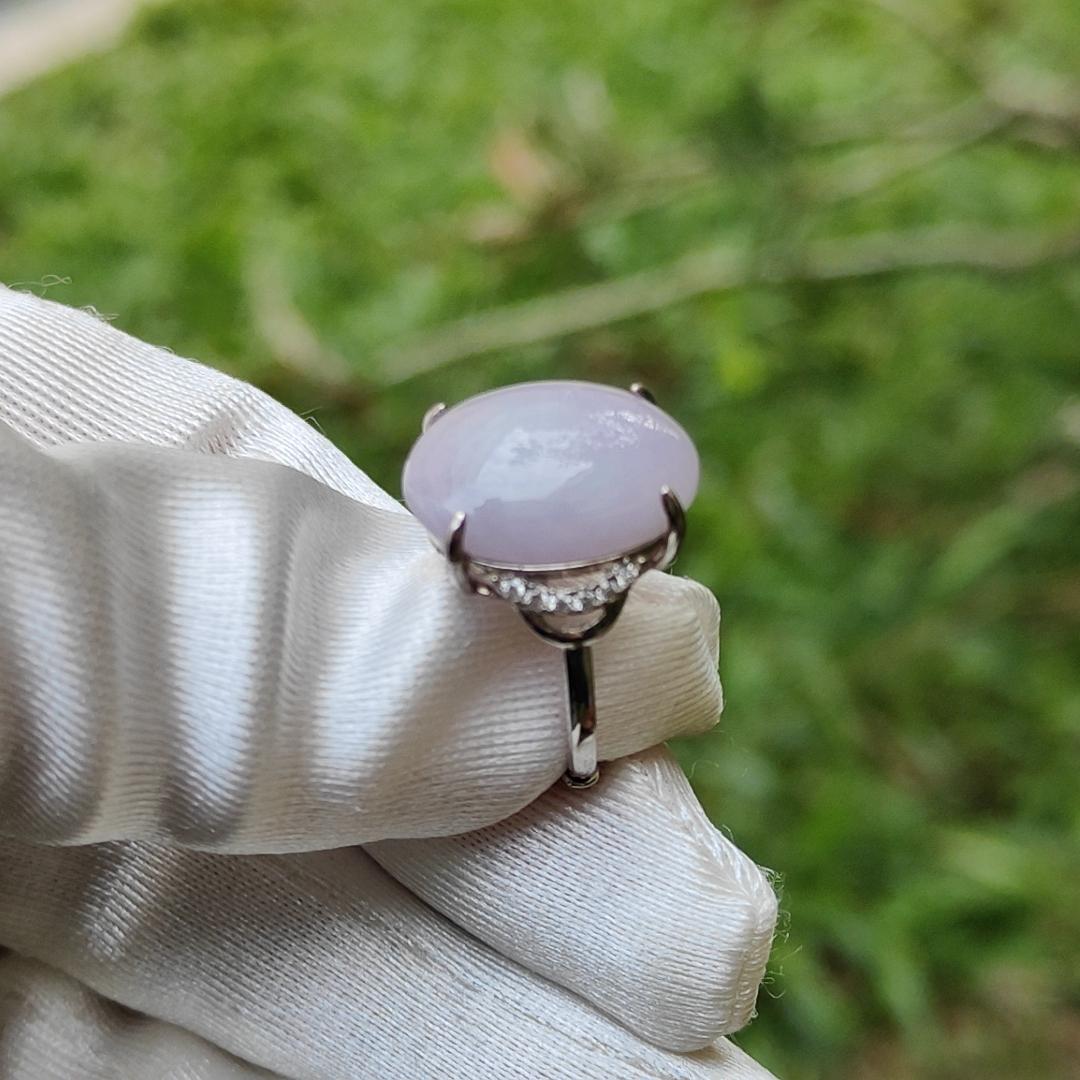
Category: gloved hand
<point>223,650</point>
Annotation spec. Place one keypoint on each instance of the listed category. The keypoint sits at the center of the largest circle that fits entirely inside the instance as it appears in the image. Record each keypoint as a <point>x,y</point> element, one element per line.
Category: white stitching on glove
<point>224,650</point>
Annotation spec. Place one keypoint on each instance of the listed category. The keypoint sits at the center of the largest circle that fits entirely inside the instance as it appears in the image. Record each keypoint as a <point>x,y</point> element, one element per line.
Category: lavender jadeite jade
<point>550,472</point>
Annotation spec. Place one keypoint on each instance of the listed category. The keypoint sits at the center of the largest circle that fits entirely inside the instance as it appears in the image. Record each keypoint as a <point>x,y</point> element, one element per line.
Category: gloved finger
<point>229,654</point>
<point>625,894</point>
<point>316,966</point>
<point>68,376</point>
<point>54,1028</point>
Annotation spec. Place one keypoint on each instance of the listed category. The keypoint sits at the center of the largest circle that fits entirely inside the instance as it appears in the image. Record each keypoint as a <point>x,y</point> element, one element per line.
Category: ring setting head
<point>555,497</point>
<point>571,601</point>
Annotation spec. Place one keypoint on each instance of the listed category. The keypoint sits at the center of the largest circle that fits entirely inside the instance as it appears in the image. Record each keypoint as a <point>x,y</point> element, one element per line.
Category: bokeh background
<point>839,240</point>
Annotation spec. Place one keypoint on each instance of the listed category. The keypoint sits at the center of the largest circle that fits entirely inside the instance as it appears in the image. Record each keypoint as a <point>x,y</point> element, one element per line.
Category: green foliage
<point>889,511</point>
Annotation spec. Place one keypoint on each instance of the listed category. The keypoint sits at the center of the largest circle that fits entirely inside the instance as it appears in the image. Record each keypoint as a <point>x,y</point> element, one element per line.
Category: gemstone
<point>550,472</point>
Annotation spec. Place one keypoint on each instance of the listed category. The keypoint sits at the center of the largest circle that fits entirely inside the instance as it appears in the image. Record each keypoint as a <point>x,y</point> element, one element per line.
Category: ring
<point>556,497</point>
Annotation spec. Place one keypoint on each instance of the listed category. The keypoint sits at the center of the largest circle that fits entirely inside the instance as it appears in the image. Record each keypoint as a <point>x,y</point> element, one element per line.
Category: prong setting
<point>676,516</point>
<point>455,553</point>
<point>567,602</point>
<point>643,391</point>
<point>433,414</point>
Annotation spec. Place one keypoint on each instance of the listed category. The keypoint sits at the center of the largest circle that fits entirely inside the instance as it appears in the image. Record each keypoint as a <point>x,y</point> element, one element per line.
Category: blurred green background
<point>839,241</point>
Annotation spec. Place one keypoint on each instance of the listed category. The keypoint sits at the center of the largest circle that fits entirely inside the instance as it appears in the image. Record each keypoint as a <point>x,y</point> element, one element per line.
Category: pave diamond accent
<point>573,596</point>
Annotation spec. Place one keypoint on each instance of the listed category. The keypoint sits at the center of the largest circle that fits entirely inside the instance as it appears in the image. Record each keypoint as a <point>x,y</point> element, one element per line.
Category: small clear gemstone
<point>577,593</point>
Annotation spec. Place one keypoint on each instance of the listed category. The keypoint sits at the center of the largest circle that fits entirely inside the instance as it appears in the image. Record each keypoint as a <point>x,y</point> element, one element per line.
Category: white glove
<point>221,643</point>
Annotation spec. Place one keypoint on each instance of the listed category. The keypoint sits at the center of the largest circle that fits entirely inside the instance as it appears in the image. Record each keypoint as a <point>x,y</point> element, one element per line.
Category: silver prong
<point>455,552</point>
<point>676,516</point>
<point>432,415</point>
<point>643,391</point>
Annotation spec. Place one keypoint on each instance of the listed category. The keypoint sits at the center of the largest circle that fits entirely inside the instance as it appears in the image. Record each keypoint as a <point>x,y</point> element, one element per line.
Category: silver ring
<point>568,604</point>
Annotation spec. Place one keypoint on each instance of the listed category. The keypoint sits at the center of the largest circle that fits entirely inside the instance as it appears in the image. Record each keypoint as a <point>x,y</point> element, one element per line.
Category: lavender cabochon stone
<point>550,472</point>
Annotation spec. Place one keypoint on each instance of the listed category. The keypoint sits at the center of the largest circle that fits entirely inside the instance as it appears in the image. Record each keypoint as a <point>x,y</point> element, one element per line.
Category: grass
<point>889,511</point>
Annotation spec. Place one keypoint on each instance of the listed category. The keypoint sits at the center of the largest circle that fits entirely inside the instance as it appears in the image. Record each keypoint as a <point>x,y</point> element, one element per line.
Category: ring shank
<point>582,768</point>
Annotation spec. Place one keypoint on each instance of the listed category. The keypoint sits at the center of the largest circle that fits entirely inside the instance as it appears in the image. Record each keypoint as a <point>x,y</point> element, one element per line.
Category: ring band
<point>581,768</point>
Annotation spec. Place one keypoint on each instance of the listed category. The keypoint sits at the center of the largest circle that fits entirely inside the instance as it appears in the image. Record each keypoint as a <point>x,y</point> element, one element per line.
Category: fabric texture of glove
<point>217,634</point>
